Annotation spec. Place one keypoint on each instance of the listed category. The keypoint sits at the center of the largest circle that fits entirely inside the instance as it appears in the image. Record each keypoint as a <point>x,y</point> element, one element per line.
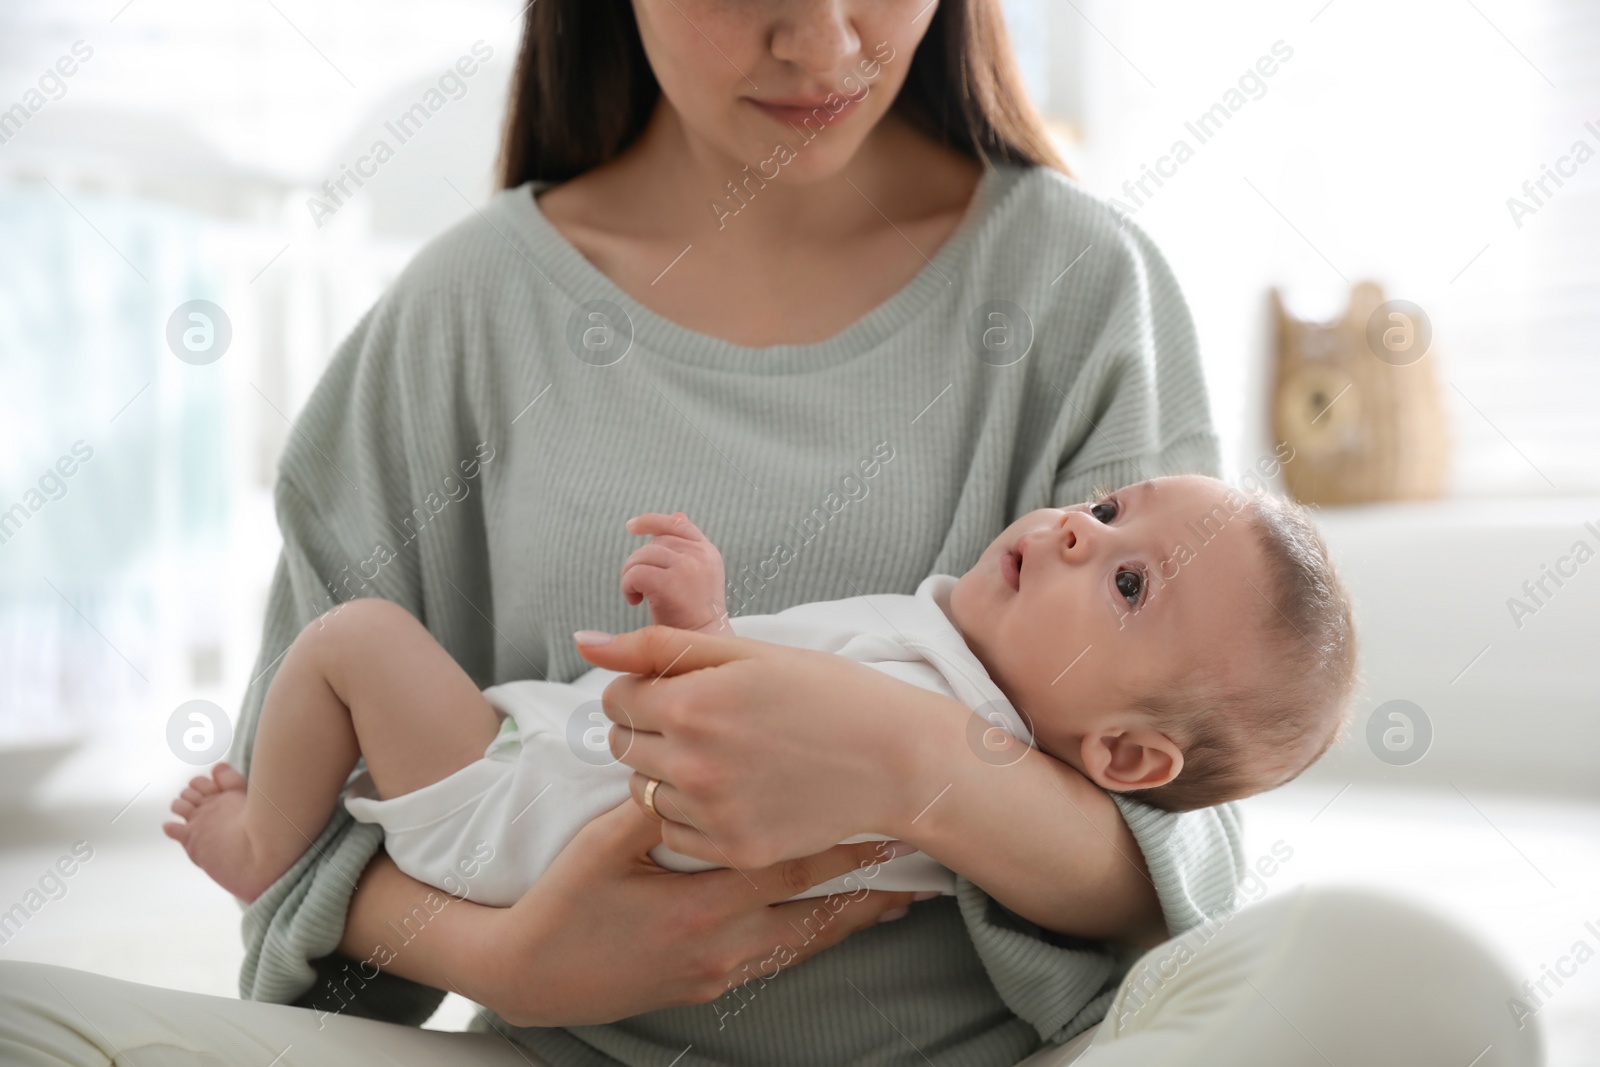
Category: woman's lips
<point>793,114</point>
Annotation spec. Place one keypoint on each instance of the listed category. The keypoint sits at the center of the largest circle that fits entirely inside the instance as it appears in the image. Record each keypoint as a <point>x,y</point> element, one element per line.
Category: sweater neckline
<point>571,272</point>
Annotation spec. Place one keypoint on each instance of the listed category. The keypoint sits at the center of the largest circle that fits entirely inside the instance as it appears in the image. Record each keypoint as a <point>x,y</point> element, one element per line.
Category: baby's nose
<point>1073,531</point>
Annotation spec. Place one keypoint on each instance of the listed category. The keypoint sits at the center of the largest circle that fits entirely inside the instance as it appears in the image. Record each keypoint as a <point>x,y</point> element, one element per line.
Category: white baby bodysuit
<point>489,830</point>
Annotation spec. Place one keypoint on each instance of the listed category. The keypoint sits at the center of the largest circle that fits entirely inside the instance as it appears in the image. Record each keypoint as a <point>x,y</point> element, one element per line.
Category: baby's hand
<point>680,572</point>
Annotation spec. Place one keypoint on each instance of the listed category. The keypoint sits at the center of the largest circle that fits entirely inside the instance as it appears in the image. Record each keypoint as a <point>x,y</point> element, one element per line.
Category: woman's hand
<point>765,751</point>
<point>606,934</point>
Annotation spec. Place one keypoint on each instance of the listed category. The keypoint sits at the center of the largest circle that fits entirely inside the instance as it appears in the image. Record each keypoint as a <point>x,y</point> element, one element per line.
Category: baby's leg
<point>366,679</point>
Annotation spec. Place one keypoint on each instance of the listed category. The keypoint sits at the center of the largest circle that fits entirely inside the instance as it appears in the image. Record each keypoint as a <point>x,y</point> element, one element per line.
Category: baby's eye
<point>1130,584</point>
<point>1105,511</point>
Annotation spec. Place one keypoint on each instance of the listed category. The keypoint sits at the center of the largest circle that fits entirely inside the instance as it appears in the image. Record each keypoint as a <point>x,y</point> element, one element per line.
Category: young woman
<point>809,271</point>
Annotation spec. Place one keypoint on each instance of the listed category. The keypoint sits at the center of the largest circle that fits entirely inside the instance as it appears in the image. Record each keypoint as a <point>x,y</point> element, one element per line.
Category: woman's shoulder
<point>437,326</point>
<point>1041,211</point>
<point>1070,257</point>
<point>488,254</point>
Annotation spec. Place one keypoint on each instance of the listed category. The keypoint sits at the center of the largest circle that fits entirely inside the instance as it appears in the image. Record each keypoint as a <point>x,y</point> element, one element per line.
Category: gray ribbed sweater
<point>476,444</point>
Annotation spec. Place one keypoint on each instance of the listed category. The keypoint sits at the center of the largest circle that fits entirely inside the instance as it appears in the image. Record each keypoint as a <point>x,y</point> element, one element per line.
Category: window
<point>150,155</point>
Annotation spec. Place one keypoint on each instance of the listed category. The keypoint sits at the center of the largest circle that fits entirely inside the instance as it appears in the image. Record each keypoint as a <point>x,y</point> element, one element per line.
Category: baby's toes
<point>183,808</point>
<point>178,831</point>
<point>203,785</point>
<point>227,777</point>
<point>193,796</point>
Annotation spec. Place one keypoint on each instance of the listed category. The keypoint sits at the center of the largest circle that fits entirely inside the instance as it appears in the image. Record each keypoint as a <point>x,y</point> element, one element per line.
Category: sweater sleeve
<point>1136,405</point>
<point>373,499</point>
<point>1064,985</point>
<point>1135,408</point>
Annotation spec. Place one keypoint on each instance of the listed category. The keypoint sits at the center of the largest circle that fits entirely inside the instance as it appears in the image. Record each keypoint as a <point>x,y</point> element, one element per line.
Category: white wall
<point>1513,696</point>
<point>1387,147</point>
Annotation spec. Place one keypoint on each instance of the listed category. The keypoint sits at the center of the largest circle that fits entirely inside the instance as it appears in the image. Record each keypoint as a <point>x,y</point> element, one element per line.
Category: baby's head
<point>1176,637</point>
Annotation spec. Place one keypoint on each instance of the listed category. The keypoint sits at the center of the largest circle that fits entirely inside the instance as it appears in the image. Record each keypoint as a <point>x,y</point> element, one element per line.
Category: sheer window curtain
<point>175,163</point>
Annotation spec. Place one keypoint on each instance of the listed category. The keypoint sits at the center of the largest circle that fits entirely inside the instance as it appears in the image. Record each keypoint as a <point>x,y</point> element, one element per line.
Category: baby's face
<point>1078,612</point>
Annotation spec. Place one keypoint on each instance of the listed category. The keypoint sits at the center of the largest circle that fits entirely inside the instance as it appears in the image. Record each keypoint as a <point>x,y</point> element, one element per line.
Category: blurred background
<point>1442,419</point>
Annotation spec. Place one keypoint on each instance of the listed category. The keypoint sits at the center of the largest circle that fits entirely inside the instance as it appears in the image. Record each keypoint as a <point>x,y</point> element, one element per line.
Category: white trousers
<point>1314,977</point>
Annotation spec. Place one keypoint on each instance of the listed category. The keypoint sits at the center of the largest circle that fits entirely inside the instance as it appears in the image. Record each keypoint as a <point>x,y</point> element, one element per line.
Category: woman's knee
<point>1348,970</point>
<point>39,1026</point>
<point>19,983</point>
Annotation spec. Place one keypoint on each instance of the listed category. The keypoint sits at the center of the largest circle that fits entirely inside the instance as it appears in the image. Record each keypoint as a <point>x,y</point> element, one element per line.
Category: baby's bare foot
<point>213,834</point>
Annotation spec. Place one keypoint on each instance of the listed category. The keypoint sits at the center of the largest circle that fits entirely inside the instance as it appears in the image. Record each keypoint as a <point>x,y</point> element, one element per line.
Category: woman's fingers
<point>643,750</point>
<point>678,829</point>
<point>809,926</point>
<point>784,879</point>
<point>625,833</point>
<point>684,834</point>
<point>657,651</point>
<point>650,654</point>
<point>676,928</point>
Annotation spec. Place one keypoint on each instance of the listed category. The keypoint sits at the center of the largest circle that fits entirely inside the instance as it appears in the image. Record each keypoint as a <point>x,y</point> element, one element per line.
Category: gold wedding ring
<point>650,797</point>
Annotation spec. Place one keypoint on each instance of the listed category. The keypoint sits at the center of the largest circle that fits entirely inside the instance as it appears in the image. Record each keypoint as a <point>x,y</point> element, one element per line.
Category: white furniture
<point>1513,696</point>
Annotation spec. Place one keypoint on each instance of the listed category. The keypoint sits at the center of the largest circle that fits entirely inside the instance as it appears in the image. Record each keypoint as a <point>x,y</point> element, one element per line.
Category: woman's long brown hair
<point>583,90</point>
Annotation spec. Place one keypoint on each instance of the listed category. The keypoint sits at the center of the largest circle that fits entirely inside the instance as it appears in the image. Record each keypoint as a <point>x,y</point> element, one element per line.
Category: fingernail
<point>889,850</point>
<point>926,895</point>
<point>591,637</point>
<point>894,913</point>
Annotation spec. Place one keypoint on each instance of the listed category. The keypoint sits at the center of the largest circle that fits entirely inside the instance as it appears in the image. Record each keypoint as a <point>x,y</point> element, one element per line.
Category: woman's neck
<point>796,260</point>
<point>673,181</point>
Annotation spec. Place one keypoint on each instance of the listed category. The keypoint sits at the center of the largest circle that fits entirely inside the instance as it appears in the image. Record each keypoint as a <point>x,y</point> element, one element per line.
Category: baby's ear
<point>1124,758</point>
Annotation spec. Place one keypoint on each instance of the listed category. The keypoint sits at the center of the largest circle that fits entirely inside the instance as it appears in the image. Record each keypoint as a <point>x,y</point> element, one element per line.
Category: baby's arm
<point>366,680</point>
<point>680,572</point>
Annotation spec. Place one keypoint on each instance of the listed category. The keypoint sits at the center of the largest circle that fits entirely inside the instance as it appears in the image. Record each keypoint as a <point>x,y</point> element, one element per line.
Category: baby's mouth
<point>1011,569</point>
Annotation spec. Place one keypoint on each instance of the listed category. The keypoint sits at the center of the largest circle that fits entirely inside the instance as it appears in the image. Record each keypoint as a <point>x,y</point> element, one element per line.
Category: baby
<point>1175,639</point>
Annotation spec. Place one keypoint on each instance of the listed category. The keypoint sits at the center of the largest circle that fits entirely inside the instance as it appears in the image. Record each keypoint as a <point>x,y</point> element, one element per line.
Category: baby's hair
<point>1238,740</point>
